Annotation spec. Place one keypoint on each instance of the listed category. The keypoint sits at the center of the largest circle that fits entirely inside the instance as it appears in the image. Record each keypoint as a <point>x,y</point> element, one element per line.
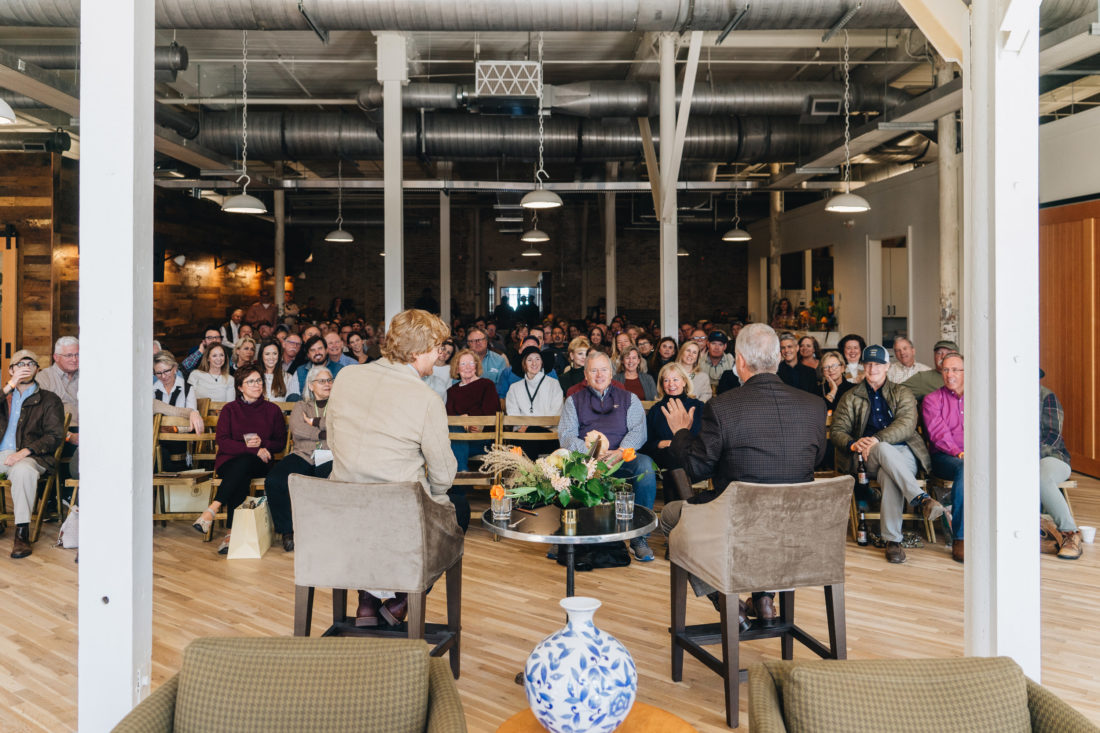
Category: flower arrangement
<point>566,476</point>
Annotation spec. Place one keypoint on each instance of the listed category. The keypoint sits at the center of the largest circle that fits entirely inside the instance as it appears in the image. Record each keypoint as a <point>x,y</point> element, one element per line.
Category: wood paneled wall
<point>1069,352</point>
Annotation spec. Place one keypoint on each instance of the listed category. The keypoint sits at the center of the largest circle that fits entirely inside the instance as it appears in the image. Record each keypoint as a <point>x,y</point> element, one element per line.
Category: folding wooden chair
<point>490,431</point>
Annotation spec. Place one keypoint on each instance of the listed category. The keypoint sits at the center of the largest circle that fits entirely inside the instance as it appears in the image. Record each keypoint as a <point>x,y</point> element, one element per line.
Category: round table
<point>594,525</point>
<point>642,719</point>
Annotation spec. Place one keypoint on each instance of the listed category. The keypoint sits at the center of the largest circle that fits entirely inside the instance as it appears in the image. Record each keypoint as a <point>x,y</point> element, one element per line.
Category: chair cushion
<point>944,695</point>
<point>292,684</point>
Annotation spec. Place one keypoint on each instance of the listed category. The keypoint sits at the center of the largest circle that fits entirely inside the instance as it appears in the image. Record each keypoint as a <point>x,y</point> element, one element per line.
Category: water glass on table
<point>501,508</point>
<point>624,505</point>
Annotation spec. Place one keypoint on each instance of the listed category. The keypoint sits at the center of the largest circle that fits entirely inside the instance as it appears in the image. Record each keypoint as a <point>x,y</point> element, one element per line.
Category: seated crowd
<point>631,385</point>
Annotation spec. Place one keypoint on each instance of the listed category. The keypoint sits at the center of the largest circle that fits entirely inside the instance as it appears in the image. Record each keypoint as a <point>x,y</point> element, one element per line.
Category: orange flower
<point>497,492</point>
<point>629,454</point>
<point>517,450</point>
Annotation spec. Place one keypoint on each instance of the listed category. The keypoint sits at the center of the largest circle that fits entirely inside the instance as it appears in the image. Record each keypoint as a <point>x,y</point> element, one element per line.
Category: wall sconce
<point>231,265</point>
<point>10,236</point>
<point>270,271</point>
<point>310,258</point>
<point>302,275</point>
<point>180,260</point>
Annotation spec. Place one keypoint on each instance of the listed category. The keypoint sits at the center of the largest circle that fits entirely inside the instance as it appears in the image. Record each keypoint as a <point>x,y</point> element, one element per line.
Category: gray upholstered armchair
<point>259,685</point>
<point>971,694</point>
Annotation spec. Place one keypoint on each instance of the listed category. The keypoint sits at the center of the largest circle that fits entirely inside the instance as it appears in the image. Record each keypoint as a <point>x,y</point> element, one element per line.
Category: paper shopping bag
<point>252,531</point>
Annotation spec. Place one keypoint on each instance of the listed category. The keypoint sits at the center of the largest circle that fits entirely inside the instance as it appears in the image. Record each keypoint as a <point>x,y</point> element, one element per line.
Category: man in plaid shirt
<point>1054,468</point>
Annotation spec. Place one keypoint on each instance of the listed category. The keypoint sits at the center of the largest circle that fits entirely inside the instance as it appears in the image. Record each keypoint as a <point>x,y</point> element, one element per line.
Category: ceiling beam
<point>945,23</point>
<point>792,39</point>
<point>1068,44</point>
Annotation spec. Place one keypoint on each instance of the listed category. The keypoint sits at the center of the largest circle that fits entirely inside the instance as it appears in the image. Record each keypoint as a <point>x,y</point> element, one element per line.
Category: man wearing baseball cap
<point>717,362</point>
<point>922,384</point>
<point>878,419</point>
<point>32,424</point>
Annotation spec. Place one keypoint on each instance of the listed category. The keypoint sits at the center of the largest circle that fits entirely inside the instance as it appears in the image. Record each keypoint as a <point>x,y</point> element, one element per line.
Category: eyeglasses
<point>475,341</point>
<point>161,373</point>
<point>954,370</point>
<point>330,380</point>
<point>252,382</point>
<point>832,368</point>
<point>698,338</point>
<point>26,363</point>
<point>67,356</point>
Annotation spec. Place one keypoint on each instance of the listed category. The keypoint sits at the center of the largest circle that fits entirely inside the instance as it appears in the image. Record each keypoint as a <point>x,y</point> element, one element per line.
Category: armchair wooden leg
<point>454,613</point>
<point>303,609</point>
<point>678,588</point>
<point>43,498</point>
<point>731,670</point>
<point>416,615</point>
<point>786,617</point>
<point>834,613</point>
<point>339,605</point>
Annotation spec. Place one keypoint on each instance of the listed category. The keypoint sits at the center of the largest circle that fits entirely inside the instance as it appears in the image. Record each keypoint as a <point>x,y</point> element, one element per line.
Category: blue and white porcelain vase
<point>580,678</point>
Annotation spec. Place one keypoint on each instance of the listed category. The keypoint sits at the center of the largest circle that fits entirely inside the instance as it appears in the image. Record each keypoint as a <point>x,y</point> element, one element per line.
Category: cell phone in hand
<point>250,436</point>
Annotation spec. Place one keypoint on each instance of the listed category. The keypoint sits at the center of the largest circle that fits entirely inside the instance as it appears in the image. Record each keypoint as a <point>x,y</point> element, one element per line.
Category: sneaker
<point>641,549</point>
<point>894,553</point>
<point>552,553</point>
<point>1071,545</point>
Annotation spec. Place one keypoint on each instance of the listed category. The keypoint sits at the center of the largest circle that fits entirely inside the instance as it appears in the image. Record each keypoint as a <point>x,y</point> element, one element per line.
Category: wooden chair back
<point>489,424</point>
<point>509,436</point>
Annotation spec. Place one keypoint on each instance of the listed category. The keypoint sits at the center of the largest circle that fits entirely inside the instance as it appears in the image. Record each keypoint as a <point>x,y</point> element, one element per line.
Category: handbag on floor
<point>252,530</point>
<point>70,530</point>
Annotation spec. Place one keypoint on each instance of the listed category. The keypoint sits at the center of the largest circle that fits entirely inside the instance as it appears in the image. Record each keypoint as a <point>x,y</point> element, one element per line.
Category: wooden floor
<point>511,593</point>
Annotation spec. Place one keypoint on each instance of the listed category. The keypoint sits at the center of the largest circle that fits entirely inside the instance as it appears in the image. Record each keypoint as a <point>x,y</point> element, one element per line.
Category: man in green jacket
<point>879,420</point>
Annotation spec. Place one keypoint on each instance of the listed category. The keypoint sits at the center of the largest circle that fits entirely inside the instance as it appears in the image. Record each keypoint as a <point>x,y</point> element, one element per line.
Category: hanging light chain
<point>736,209</point>
<point>540,171</point>
<point>244,111</point>
<point>847,123</point>
<point>340,193</point>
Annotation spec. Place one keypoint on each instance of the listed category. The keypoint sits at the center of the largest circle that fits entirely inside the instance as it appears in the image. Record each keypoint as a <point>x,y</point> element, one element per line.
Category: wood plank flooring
<point>510,603</point>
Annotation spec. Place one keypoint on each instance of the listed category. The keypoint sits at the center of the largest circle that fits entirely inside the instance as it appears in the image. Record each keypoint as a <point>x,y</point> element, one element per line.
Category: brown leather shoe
<point>894,553</point>
<point>742,609</point>
<point>288,542</point>
<point>394,610</point>
<point>367,612</point>
<point>1050,539</point>
<point>957,550</point>
<point>1071,546</point>
<point>931,509</point>
<point>765,609</point>
<point>21,546</point>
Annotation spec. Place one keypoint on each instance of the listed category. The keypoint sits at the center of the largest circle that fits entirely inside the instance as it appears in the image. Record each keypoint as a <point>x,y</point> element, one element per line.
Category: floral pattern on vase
<point>580,678</point>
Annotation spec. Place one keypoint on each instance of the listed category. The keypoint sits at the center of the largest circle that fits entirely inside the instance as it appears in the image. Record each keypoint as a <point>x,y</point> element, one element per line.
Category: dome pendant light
<point>7,114</point>
<point>242,203</point>
<point>736,234</point>
<point>534,234</point>
<point>540,198</point>
<point>338,234</point>
<point>532,252</point>
<point>847,202</point>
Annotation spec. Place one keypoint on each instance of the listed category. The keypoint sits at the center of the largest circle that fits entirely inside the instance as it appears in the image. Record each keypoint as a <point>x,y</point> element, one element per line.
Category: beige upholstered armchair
<point>759,537</point>
<point>260,685</point>
<point>972,694</point>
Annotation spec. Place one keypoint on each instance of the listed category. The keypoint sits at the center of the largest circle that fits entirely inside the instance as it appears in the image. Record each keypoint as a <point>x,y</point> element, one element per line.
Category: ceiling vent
<point>508,78</point>
<point>820,109</point>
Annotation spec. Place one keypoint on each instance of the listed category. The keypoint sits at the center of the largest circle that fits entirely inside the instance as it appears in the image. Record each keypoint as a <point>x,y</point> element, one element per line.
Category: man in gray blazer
<point>765,432</point>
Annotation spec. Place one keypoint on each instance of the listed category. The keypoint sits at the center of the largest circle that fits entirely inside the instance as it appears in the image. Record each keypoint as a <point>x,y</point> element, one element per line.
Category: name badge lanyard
<point>530,396</point>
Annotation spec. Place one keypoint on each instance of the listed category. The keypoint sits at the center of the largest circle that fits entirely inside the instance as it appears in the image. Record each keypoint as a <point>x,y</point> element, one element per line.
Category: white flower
<point>560,483</point>
<point>558,457</point>
<point>591,464</point>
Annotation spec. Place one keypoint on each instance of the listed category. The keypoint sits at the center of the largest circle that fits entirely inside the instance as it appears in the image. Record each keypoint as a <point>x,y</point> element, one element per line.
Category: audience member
<point>471,395</point>
<point>792,371</point>
<point>926,382</point>
<point>250,432</point>
<point>537,394</point>
<point>357,349</point>
<point>231,329</point>
<point>246,332</point>
<point>632,375</point>
<point>809,351</point>
<point>63,379</point>
<point>851,348</point>
<point>942,411</point>
<point>334,345</point>
<point>717,361</point>
<point>168,385</point>
<point>279,386</point>
<point>879,420</point>
<point>596,341</point>
<point>764,432</point>
<point>290,308</point>
<point>688,357</point>
<point>211,336</point>
<point>244,352</point>
<point>665,354</point>
<point>262,310</point>
<point>616,417</point>
<point>264,330</point>
<point>316,355</point>
<point>833,383</point>
<point>440,378</point>
<point>493,365</point>
<point>1054,468</point>
<point>292,353</point>
<point>32,422</point>
<point>210,379</point>
<point>311,455</point>
<point>904,364</point>
<point>674,384</point>
<point>573,373</point>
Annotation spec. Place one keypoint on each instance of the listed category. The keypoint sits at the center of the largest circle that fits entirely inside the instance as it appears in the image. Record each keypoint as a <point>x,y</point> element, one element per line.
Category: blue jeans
<point>951,468</point>
<point>642,475</point>
<point>463,449</point>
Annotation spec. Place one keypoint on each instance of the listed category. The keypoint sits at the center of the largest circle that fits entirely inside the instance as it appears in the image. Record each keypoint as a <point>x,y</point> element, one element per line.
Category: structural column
<point>393,74</point>
<point>116,306</point>
<point>280,249</point>
<point>609,246</point>
<point>445,257</point>
<point>775,208</point>
<point>670,291</point>
<point>1001,326</point>
<point>947,138</point>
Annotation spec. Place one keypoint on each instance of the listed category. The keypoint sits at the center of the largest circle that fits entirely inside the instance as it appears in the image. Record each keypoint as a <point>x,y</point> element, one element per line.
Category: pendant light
<point>338,234</point>
<point>534,234</point>
<point>737,234</point>
<point>532,252</point>
<point>540,198</point>
<point>242,203</point>
<point>681,252</point>
<point>7,114</point>
<point>847,202</point>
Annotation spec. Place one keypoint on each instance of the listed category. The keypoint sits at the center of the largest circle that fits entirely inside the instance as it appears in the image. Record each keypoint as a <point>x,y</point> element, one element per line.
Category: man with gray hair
<point>63,379</point>
<point>764,432</point>
<point>904,363</point>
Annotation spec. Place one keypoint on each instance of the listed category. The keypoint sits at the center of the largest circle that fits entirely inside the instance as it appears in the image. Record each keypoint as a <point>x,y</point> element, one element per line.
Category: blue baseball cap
<point>875,354</point>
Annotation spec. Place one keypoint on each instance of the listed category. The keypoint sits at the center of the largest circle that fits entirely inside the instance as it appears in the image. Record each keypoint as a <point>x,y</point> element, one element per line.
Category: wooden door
<point>1069,298</point>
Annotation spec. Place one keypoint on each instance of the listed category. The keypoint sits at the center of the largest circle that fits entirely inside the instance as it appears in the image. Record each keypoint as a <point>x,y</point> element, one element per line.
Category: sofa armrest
<point>1051,714</point>
<point>444,706</point>
<point>765,712</point>
<point>155,713</point>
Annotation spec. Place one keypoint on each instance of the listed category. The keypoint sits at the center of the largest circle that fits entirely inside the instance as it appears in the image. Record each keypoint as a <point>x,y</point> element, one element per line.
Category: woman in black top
<point>673,383</point>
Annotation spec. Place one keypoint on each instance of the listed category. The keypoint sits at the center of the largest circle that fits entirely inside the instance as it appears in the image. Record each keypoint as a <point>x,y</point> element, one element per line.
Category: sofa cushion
<point>943,695</point>
<point>298,684</point>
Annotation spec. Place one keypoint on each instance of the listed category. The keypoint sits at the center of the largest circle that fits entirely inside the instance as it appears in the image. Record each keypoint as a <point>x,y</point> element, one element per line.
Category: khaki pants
<point>24,477</point>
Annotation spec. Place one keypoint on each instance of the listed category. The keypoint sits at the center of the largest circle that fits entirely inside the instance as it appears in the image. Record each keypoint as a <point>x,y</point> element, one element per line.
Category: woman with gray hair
<point>311,455</point>
<point>168,384</point>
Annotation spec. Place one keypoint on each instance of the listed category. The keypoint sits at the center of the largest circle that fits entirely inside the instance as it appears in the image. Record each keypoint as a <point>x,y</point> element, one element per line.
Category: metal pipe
<point>44,142</point>
<point>165,58</point>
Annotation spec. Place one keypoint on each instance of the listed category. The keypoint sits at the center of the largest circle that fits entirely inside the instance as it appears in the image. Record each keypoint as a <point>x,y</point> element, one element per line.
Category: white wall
<point>907,201</point>
<point>1069,157</point>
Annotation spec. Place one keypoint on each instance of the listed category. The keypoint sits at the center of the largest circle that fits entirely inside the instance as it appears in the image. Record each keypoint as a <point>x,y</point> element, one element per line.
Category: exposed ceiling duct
<point>456,136</point>
<point>640,99</point>
<point>165,58</point>
<point>507,15</point>
<point>36,142</point>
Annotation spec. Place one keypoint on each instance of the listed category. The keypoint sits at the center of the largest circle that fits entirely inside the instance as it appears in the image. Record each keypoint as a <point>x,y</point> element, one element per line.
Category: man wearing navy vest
<point>619,417</point>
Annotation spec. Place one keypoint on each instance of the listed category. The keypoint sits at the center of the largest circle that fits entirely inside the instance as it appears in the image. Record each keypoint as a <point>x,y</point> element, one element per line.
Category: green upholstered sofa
<point>303,684</point>
<point>902,696</point>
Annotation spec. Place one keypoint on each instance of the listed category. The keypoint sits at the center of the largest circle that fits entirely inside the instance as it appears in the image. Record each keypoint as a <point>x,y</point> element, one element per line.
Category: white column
<point>445,257</point>
<point>1001,326</point>
<point>393,74</point>
<point>610,246</point>
<point>670,292</point>
<point>947,138</point>
<point>280,250</point>
<point>116,307</point>
<point>775,208</point>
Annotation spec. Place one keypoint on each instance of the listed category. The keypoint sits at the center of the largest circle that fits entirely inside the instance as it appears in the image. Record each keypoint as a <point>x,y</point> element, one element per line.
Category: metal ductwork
<point>21,101</point>
<point>165,58</point>
<point>36,142</point>
<point>507,15</point>
<point>641,99</point>
<point>163,114</point>
<point>457,136</point>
